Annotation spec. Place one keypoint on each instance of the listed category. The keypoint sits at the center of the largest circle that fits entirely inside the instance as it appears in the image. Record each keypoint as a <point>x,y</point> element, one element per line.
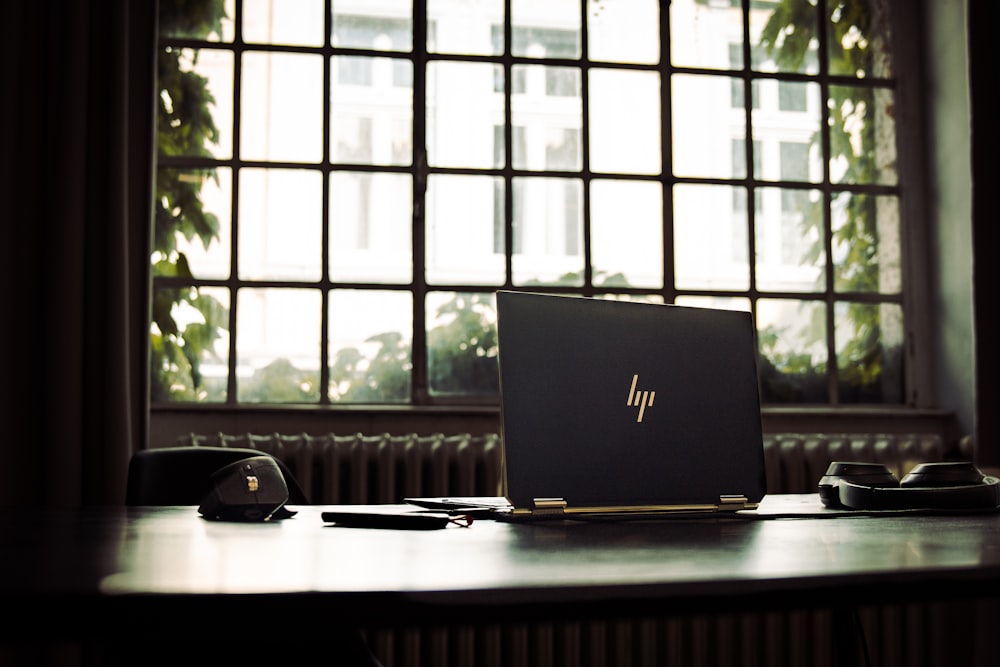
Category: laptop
<point>617,408</point>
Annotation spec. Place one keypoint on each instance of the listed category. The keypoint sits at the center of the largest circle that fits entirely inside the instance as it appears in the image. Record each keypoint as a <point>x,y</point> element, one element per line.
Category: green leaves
<point>185,127</point>
<point>851,44</point>
<point>195,19</point>
<point>462,350</point>
<point>184,122</point>
<point>789,31</point>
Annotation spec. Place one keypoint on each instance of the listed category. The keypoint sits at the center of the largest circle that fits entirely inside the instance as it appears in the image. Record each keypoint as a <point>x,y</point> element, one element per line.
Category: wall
<point>950,204</point>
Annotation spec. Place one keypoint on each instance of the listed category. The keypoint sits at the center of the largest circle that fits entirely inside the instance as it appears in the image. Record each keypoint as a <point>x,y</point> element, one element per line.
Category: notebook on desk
<point>618,408</point>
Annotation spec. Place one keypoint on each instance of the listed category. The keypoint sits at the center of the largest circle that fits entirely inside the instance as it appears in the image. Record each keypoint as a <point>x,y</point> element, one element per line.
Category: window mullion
<point>420,393</point>
<point>238,45</point>
<point>667,157</point>
<point>827,193</point>
<point>325,235</point>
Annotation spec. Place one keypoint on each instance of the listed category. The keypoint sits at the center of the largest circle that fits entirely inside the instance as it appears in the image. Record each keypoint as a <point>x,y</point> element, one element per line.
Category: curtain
<point>78,151</point>
<point>984,77</point>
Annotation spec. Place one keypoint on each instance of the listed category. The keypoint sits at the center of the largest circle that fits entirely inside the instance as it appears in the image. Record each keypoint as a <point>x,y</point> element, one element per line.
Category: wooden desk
<point>132,569</point>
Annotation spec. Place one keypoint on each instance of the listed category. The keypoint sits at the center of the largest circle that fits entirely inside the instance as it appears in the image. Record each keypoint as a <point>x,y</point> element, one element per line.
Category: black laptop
<point>622,408</point>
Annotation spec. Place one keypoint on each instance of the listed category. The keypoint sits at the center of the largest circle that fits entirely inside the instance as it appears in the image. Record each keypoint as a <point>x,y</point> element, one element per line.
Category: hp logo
<point>640,398</point>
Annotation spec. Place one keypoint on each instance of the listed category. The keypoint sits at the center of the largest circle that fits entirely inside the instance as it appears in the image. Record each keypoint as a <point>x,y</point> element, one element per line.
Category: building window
<point>343,185</point>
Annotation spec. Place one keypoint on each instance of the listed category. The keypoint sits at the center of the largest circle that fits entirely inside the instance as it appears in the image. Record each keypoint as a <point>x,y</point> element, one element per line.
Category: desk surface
<point>124,559</point>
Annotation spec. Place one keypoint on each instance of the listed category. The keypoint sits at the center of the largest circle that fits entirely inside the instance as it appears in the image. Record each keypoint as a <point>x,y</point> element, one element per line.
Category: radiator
<point>385,468</point>
<point>363,469</point>
<point>373,469</point>
<point>795,462</point>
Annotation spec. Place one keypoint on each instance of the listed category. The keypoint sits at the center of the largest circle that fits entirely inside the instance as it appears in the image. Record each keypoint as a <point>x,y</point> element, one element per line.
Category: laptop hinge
<point>733,503</point>
<point>549,506</point>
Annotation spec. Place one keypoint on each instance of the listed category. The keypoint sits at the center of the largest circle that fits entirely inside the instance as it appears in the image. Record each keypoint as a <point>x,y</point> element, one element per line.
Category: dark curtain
<point>78,150</point>
<point>984,80</point>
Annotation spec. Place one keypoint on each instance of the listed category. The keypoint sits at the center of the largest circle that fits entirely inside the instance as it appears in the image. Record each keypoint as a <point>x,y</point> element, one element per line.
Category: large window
<point>344,184</point>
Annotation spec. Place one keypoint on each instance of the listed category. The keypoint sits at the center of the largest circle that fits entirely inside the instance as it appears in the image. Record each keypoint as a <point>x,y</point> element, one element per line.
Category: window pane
<point>189,344</point>
<point>637,298</point>
<point>627,233</point>
<point>192,223</point>
<point>859,35</point>
<point>710,250</point>
<point>277,345</point>
<point>292,22</point>
<point>545,28</point>
<point>794,156</point>
<point>386,26</point>
<point>200,121</point>
<point>791,336</point>
<point>470,27</point>
<point>717,302</point>
<point>370,344</point>
<point>176,20</point>
<point>281,224</point>
<point>862,135</point>
<point>547,111</point>
<point>793,96</point>
<point>548,231</point>
<point>282,107</point>
<point>789,240</point>
<point>704,126</point>
<point>370,227</point>
<point>462,344</point>
<point>869,341</point>
<point>701,32</point>
<point>463,107</point>
<point>623,32</point>
<point>463,214</point>
<point>625,122</point>
<point>787,133</point>
<point>784,40</point>
<point>867,251</point>
<point>371,110</point>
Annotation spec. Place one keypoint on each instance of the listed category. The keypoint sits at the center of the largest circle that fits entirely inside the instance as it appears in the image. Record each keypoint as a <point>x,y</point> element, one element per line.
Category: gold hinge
<point>733,503</point>
<point>549,506</point>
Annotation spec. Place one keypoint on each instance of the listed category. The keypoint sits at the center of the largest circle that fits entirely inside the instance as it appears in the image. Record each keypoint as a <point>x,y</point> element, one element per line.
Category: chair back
<point>182,475</point>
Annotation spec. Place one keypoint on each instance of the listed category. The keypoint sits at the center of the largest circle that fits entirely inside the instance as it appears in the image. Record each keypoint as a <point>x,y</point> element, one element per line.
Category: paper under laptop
<point>615,407</point>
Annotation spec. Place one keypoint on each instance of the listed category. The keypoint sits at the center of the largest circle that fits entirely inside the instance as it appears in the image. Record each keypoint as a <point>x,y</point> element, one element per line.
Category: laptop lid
<point>613,406</point>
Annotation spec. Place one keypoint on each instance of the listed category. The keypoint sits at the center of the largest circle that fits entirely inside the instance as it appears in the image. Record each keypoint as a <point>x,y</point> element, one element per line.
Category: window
<point>342,185</point>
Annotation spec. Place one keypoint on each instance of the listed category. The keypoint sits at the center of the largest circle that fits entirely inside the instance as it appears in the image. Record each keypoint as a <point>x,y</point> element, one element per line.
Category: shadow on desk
<point>265,644</point>
<point>952,639</point>
<point>947,635</point>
